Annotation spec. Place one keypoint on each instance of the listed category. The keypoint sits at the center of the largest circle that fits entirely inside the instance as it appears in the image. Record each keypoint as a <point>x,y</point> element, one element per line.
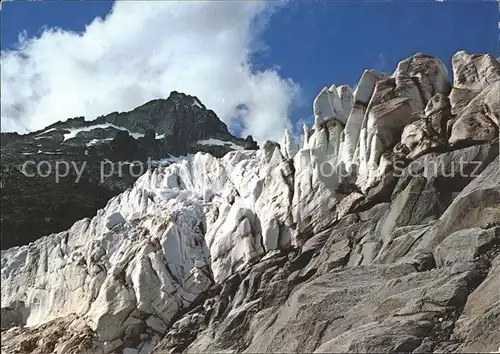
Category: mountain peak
<point>159,130</point>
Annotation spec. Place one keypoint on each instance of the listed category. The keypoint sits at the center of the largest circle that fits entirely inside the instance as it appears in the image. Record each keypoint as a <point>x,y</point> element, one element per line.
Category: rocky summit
<point>380,233</point>
<point>56,176</point>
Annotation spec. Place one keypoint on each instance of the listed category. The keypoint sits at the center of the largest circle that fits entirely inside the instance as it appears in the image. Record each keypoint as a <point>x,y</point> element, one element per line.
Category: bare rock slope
<point>380,234</point>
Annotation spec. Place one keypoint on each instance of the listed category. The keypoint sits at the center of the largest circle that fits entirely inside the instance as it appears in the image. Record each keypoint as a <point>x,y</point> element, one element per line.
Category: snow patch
<point>74,132</point>
<point>196,103</point>
<point>98,141</point>
<point>172,159</point>
<point>45,132</point>
<point>218,142</point>
<point>50,152</point>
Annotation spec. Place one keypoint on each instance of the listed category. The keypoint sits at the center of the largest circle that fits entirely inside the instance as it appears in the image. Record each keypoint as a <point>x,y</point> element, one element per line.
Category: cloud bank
<point>142,51</point>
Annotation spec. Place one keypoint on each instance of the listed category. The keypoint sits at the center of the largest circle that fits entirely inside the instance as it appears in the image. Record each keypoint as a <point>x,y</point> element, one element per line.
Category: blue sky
<point>315,43</point>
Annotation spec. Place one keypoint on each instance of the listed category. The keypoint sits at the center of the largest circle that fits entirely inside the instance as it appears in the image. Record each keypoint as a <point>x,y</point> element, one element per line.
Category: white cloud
<point>142,51</point>
<point>381,62</point>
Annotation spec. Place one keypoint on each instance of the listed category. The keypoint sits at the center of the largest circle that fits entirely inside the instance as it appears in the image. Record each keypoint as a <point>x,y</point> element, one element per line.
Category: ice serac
<point>474,71</point>
<point>379,234</point>
<point>384,125</point>
<point>315,180</point>
<point>111,277</point>
<point>350,135</point>
<point>290,146</point>
<point>153,249</point>
<point>333,102</point>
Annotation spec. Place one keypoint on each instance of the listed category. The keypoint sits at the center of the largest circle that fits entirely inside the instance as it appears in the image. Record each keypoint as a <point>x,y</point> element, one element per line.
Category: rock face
<point>394,104</point>
<point>96,155</point>
<point>427,133</point>
<point>377,235</point>
<point>479,120</point>
<point>475,98</point>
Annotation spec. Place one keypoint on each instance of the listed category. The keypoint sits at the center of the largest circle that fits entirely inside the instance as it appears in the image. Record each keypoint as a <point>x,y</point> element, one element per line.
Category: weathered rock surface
<point>474,71</point>
<point>477,205</point>
<point>479,121</point>
<point>466,245</point>
<point>428,133</point>
<point>379,234</point>
<point>478,327</point>
<point>395,103</point>
<point>475,98</point>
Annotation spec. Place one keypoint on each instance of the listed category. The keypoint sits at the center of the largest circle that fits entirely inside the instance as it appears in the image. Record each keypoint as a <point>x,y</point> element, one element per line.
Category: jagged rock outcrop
<point>475,98</point>
<point>479,121</point>
<point>366,239</point>
<point>393,105</point>
<point>472,73</point>
<point>429,132</point>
